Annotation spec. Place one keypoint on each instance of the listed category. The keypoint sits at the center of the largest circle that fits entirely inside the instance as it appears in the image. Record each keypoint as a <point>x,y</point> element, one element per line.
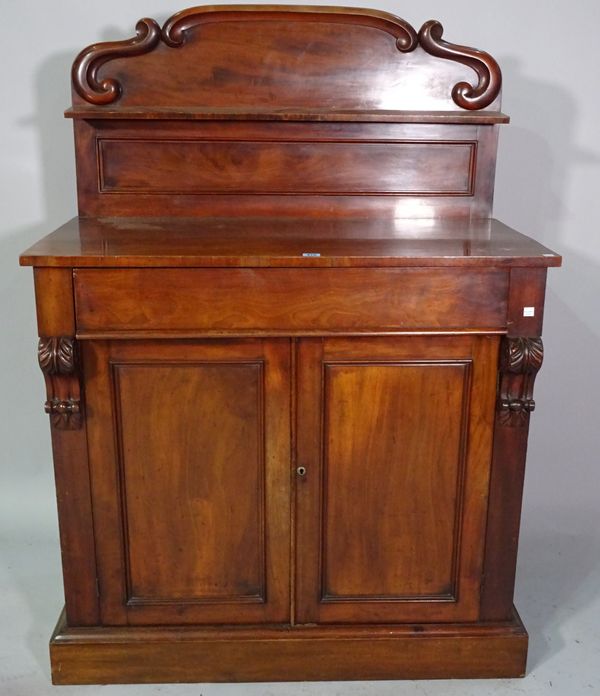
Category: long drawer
<point>278,300</point>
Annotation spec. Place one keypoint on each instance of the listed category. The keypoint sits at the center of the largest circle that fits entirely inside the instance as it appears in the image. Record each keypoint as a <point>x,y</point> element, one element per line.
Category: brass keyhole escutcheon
<point>301,471</point>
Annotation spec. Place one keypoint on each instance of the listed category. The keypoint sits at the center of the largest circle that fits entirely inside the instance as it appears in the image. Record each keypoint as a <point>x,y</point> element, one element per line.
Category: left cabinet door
<point>190,468</point>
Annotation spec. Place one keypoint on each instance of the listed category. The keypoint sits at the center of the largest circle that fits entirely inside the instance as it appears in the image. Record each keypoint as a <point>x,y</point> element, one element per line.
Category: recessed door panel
<point>395,438</point>
<point>190,445</point>
<point>399,459</point>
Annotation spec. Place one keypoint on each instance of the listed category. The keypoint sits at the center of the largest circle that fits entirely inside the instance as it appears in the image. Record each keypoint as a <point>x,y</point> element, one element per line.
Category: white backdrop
<point>548,186</point>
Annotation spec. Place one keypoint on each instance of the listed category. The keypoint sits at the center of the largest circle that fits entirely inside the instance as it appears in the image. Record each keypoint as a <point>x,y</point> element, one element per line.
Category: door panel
<point>197,437</point>
<point>200,431</point>
<point>414,416</point>
<point>395,436</point>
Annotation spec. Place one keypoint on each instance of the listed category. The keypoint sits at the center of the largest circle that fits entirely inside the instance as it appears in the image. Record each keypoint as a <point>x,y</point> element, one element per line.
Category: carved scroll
<point>175,31</point>
<point>520,361</point>
<point>85,68</point>
<point>488,71</point>
<point>57,356</point>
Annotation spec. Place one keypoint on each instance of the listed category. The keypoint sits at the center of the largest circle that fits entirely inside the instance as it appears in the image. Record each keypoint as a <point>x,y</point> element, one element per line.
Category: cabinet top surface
<point>285,242</point>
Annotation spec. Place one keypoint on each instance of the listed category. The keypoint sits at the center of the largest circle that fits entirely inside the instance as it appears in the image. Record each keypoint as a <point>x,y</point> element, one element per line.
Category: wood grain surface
<point>282,242</point>
<point>275,299</point>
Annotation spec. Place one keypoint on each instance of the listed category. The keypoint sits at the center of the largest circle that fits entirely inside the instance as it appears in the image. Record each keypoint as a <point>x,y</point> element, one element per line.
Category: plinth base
<point>101,655</point>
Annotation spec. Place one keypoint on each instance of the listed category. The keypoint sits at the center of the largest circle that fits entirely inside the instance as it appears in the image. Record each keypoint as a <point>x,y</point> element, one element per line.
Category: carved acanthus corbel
<point>57,356</point>
<point>520,361</point>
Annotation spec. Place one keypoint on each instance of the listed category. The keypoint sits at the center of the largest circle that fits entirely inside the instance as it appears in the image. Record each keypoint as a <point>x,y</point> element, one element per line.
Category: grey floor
<point>558,596</point>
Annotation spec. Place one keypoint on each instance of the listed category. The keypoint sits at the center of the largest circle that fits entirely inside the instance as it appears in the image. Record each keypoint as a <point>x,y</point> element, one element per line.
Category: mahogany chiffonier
<point>289,355</point>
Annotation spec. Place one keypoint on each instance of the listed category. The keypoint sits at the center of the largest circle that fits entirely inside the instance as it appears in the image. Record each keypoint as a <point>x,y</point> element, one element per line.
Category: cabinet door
<point>190,469</point>
<point>394,441</point>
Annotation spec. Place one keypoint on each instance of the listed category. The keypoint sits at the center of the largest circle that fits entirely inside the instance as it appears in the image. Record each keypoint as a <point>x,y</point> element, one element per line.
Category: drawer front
<point>284,300</point>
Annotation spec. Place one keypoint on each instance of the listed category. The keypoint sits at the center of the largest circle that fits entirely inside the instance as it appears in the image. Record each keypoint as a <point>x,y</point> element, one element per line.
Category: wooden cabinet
<point>289,355</point>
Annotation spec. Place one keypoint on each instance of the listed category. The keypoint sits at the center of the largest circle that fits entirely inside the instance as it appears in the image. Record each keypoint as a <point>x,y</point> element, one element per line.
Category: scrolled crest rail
<point>107,90</point>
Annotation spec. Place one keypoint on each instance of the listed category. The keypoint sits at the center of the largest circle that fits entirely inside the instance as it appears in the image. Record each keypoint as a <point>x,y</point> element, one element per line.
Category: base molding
<point>105,655</point>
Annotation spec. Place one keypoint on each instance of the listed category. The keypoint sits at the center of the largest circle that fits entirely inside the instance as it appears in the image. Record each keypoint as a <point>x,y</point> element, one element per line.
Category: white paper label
<point>529,311</point>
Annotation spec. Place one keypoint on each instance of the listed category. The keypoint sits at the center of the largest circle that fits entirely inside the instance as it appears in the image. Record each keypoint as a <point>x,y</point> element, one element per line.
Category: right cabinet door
<point>393,447</point>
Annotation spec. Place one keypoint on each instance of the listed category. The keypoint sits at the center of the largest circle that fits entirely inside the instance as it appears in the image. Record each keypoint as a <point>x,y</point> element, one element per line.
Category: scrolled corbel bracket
<point>520,361</point>
<point>488,71</point>
<point>59,361</point>
<point>87,64</point>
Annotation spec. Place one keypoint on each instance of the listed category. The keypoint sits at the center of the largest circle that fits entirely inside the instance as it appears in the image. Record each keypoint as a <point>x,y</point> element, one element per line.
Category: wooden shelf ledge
<point>299,114</point>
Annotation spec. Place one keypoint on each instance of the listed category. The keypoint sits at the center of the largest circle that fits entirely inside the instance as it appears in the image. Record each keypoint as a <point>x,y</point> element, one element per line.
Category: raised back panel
<point>282,57</point>
<point>246,109</point>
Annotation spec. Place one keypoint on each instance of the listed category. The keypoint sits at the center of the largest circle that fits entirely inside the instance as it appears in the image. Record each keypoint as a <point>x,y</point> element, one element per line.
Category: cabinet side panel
<point>56,319</point>
<point>520,359</point>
